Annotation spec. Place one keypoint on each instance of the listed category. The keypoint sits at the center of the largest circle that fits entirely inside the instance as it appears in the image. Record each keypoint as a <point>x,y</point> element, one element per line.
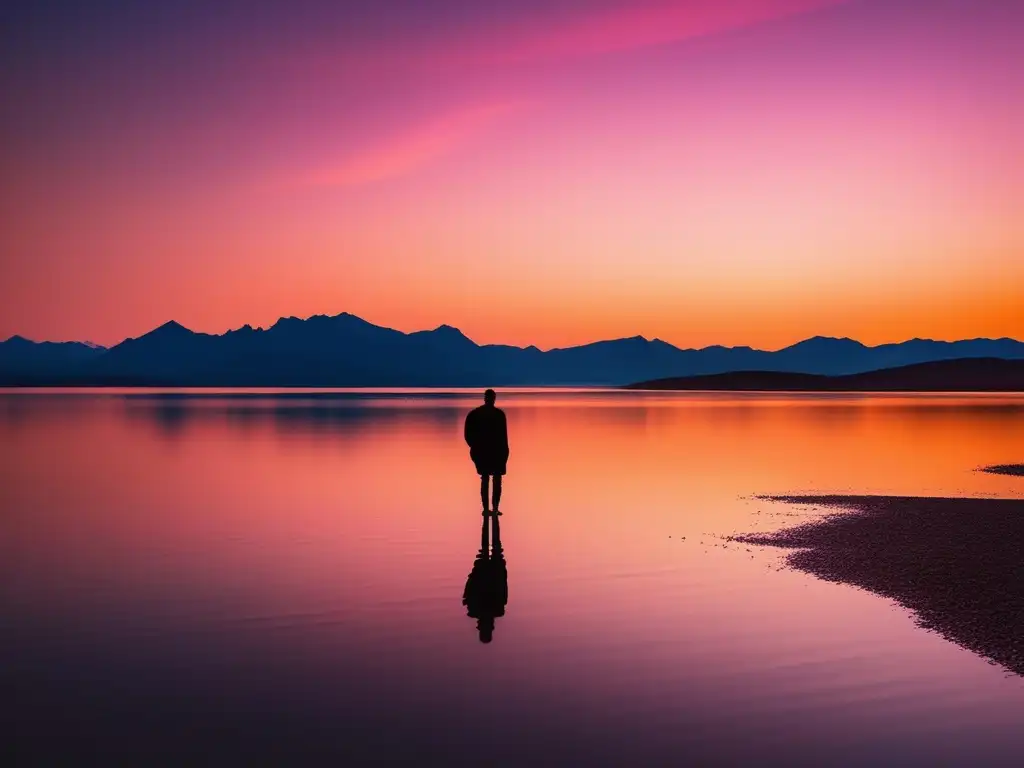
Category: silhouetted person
<point>487,436</point>
<point>486,592</point>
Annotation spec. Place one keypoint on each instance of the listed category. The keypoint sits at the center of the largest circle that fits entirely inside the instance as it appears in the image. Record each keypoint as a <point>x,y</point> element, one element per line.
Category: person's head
<point>490,397</point>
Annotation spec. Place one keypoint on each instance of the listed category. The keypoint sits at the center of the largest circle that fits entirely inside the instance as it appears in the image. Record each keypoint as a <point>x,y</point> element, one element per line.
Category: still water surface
<point>249,576</point>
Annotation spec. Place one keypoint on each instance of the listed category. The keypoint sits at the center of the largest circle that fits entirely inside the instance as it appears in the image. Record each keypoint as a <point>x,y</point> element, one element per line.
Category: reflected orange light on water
<point>185,473</point>
<point>348,524</point>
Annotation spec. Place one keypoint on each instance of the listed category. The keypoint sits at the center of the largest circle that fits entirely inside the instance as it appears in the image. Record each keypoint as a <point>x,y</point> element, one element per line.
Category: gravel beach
<point>956,563</point>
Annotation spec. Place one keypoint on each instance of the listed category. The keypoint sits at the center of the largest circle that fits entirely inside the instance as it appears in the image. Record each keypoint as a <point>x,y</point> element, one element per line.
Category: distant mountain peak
<point>449,330</point>
<point>172,329</point>
<point>447,333</point>
<point>345,319</point>
<point>173,325</point>
<point>348,317</point>
<point>844,339</point>
<point>819,341</point>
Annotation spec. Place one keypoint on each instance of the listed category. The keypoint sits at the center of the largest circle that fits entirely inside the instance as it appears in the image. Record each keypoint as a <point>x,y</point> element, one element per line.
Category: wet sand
<point>956,563</point>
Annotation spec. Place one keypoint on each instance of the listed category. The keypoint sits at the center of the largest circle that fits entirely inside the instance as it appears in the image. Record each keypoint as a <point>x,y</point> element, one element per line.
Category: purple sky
<point>738,171</point>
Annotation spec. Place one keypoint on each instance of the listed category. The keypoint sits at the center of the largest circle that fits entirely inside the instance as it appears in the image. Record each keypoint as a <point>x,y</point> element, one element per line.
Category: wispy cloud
<point>631,26</point>
<point>412,149</point>
<point>634,24</point>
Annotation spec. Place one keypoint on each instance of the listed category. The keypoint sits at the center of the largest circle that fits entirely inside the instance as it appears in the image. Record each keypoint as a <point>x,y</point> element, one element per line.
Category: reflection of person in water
<point>486,592</point>
<point>486,434</point>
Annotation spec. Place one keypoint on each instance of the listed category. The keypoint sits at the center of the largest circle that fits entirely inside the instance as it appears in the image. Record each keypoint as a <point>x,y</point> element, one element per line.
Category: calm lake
<point>243,577</point>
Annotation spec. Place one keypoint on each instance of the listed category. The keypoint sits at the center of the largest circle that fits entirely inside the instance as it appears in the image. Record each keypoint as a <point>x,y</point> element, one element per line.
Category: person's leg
<point>497,493</point>
<point>483,491</point>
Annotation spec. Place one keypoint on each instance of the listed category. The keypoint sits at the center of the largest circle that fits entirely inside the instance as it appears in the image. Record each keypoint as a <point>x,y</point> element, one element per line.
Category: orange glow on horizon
<point>735,173</point>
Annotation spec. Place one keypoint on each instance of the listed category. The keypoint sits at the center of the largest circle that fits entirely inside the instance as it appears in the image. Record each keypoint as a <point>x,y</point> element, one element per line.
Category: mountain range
<point>347,351</point>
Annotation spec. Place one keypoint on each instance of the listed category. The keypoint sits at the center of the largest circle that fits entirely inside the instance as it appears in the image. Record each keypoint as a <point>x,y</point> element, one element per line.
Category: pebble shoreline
<point>956,563</point>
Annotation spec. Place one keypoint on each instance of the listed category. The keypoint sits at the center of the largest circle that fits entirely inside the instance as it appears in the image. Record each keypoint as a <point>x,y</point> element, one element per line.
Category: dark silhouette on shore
<point>1005,469</point>
<point>346,351</point>
<point>955,562</point>
<point>486,434</point>
<point>486,592</point>
<point>985,374</point>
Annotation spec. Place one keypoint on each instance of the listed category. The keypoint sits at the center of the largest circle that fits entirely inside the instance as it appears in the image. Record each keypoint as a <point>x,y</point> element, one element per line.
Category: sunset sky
<point>544,172</point>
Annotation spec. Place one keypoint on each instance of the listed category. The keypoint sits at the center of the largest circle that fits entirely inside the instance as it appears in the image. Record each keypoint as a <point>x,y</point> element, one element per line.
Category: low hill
<point>966,375</point>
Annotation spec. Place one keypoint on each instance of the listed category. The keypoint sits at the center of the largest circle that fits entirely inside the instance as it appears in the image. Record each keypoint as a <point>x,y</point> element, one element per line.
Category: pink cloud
<point>629,26</point>
<point>412,149</point>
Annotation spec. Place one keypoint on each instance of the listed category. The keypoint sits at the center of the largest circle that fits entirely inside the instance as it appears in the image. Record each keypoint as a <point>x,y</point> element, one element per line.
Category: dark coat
<point>486,592</point>
<point>486,434</point>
